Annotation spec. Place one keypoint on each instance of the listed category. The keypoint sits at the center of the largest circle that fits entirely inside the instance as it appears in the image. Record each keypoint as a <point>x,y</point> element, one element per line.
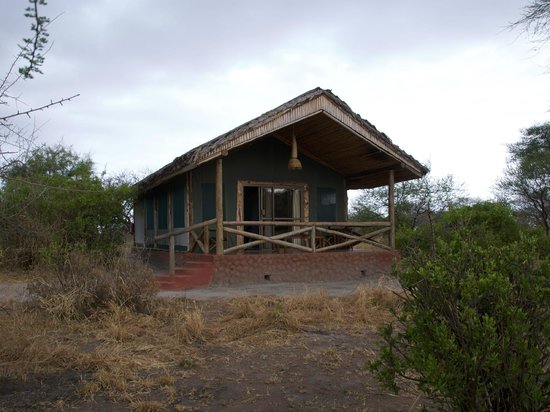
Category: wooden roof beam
<point>378,171</point>
<point>307,153</point>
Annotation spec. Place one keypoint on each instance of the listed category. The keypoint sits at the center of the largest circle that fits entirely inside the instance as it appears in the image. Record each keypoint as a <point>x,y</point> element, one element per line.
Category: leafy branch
<point>33,46</point>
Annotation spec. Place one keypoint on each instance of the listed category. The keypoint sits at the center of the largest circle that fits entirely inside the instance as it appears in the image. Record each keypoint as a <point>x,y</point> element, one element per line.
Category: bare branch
<point>46,106</point>
<point>536,20</point>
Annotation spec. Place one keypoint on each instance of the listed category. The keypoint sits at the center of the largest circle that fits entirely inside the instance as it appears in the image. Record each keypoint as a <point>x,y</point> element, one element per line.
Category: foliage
<point>484,223</point>
<point>526,183</point>
<point>34,46</point>
<point>474,328</point>
<point>54,203</point>
<point>418,204</point>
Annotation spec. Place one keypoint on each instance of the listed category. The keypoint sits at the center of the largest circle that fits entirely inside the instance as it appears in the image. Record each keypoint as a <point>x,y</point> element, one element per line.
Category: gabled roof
<point>326,129</point>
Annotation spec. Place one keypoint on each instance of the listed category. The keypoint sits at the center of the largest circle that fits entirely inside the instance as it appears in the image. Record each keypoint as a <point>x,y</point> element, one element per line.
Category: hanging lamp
<point>294,163</point>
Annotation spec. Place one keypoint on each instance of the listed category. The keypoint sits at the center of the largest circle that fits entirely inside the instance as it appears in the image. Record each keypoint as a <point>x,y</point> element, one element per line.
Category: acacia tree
<point>16,140</point>
<point>526,182</point>
<point>418,204</point>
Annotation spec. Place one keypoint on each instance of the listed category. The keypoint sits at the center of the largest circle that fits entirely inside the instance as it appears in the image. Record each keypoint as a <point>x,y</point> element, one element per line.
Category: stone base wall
<point>291,267</point>
<point>158,258</point>
<point>301,267</point>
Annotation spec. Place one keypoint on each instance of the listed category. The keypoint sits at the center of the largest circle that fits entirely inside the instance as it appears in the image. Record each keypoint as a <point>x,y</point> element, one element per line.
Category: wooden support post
<point>155,219</point>
<point>240,207</point>
<point>346,205</point>
<point>391,207</point>
<point>172,238</point>
<point>219,207</point>
<point>206,239</point>
<point>188,210</point>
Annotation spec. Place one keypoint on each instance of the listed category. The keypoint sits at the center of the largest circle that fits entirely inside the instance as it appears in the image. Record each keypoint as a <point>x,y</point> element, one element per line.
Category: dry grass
<point>369,308</point>
<point>127,355</point>
<point>84,286</point>
<point>14,276</point>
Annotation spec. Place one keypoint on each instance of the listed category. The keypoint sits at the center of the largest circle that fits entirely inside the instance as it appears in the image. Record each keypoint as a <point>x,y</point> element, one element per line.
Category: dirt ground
<point>315,372</point>
<point>294,362</point>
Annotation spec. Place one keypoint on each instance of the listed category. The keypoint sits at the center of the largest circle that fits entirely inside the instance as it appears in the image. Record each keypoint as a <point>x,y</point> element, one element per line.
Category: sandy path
<point>13,291</point>
<point>18,291</point>
<point>341,288</point>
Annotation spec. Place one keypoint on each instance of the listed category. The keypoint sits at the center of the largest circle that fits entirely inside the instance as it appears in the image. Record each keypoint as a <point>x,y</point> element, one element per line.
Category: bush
<point>474,328</point>
<point>485,224</point>
<point>55,200</point>
<point>78,286</point>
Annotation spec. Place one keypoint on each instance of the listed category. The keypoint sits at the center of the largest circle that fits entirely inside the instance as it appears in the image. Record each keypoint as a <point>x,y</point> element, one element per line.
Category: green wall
<point>266,161</point>
<point>159,195</point>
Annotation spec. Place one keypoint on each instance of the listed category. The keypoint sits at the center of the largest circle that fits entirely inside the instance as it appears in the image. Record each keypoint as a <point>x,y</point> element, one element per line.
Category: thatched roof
<point>327,131</point>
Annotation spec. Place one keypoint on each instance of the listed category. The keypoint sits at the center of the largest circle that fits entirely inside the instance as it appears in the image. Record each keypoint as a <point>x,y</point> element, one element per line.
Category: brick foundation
<point>300,267</point>
<point>158,259</point>
<point>293,267</point>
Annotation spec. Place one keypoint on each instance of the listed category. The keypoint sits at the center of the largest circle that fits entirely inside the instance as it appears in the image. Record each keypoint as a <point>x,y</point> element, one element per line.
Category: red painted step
<point>194,274</point>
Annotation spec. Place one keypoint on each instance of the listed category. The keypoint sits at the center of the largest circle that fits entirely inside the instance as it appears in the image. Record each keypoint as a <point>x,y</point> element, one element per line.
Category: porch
<point>249,237</point>
<point>286,235</point>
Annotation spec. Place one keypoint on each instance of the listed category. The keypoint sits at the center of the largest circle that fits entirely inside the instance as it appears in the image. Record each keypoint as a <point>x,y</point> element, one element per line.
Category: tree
<point>14,140</point>
<point>53,202</point>
<point>474,327</point>
<point>418,203</point>
<point>536,20</point>
<point>484,223</point>
<point>526,181</point>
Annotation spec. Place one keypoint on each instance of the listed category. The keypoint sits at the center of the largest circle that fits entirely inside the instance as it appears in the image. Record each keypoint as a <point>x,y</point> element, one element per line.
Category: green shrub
<point>474,329</point>
<point>485,224</point>
<point>55,200</point>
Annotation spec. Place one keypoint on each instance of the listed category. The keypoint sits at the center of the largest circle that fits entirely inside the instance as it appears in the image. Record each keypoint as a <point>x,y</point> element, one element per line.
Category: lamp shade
<point>294,163</point>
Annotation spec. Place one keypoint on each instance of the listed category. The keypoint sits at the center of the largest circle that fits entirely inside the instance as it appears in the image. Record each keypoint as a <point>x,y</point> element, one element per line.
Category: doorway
<point>272,202</point>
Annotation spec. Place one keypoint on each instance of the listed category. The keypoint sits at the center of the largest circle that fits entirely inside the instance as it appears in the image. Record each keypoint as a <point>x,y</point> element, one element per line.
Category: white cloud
<point>444,80</point>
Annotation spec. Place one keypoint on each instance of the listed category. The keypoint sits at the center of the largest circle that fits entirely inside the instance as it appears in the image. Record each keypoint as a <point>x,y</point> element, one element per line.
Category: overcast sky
<point>445,80</point>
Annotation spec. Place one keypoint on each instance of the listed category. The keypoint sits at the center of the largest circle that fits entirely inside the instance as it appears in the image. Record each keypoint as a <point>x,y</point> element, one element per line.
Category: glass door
<point>271,202</point>
<point>280,204</point>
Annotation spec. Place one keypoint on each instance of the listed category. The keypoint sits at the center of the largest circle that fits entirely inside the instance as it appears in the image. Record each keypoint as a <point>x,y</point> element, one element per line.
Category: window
<point>208,201</point>
<point>326,204</point>
<point>150,210</point>
<point>162,210</point>
<point>179,204</point>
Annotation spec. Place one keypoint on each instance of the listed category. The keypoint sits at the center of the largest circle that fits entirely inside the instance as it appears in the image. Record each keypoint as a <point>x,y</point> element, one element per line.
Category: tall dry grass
<point>247,317</point>
<point>85,285</point>
<point>125,354</point>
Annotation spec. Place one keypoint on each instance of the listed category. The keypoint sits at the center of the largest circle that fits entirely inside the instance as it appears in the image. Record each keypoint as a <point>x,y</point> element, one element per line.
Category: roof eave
<point>295,110</point>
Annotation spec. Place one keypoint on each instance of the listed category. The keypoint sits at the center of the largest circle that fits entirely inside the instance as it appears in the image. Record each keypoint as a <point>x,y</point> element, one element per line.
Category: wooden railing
<point>203,230</point>
<point>195,239</point>
<point>309,237</point>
